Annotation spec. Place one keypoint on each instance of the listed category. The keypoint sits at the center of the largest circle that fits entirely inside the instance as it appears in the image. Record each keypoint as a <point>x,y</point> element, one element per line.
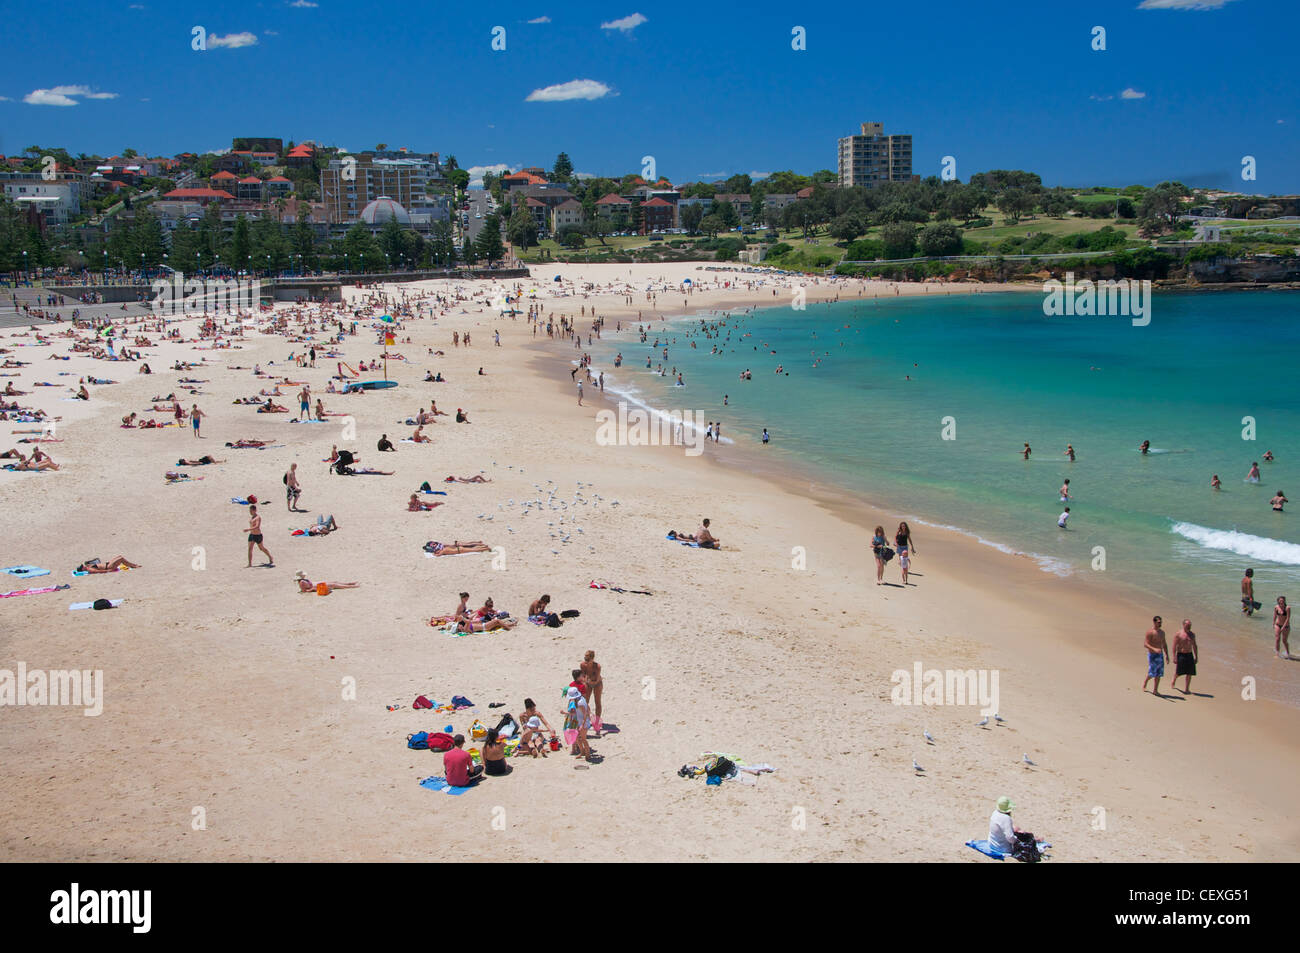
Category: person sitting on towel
<point>1002,833</point>
<point>459,767</point>
<point>705,539</point>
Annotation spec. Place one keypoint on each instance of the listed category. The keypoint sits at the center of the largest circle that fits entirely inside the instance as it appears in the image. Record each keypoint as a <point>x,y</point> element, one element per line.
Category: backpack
<point>721,768</point>
<point>1025,849</point>
<point>285,478</point>
<point>440,741</point>
<point>553,620</point>
<point>419,740</point>
<point>425,488</point>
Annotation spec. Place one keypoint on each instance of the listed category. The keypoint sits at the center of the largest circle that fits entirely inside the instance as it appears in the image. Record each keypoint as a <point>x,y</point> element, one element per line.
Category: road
<point>478,202</point>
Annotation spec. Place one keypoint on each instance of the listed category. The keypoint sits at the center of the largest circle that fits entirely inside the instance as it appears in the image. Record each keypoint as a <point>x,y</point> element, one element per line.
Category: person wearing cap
<point>1002,833</point>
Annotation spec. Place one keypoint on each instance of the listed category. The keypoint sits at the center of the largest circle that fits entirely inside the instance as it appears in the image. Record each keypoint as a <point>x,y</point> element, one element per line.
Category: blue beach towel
<point>983,847</point>
<point>684,542</point>
<point>434,492</point>
<point>235,499</point>
<point>440,784</point>
<point>26,571</point>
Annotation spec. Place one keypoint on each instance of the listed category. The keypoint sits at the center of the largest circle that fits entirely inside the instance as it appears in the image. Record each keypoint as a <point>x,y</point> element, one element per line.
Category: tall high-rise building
<point>872,158</point>
<point>413,180</point>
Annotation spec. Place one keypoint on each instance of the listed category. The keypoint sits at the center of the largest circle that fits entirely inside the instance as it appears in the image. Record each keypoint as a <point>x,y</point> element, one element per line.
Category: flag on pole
<point>389,339</point>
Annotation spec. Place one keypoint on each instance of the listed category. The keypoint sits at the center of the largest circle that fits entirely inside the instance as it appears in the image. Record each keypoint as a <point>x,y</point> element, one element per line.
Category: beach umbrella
<point>556,278</point>
<point>687,281</point>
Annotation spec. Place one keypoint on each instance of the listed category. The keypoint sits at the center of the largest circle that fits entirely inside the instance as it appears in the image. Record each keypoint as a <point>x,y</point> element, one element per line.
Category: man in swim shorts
<point>1186,655</point>
<point>1157,654</point>
<point>1248,592</point>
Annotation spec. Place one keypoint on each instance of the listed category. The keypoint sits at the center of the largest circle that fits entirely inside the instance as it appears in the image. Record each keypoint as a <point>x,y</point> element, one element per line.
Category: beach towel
<point>440,784</point>
<point>434,492</point>
<point>32,592</point>
<point>984,848</point>
<point>90,605</point>
<point>26,571</point>
<point>235,499</point>
<point>684,542</point>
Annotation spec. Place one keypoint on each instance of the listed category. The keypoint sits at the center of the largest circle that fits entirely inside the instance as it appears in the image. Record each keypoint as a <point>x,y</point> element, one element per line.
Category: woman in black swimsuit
<point>494,755</point>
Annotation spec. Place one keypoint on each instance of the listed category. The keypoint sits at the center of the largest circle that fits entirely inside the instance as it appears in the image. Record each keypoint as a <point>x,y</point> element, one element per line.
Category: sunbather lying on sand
<point>456,548</point>
<point>202,461</point>
<point>271,408</point>
<point>242,444</point>
<point>474,479</point>
<point>324,526</point>
<point>306,585</point>
<point>37,461</point>
<point>96,566</point>
<point>491,625</point>
<point>416,505</point>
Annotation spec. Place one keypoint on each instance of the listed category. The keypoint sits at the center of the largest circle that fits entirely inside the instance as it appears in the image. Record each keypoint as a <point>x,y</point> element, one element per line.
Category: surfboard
<point>368,385</point>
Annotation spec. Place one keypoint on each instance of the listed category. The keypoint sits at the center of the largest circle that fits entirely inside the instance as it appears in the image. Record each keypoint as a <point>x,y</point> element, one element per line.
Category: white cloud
<point>476,173</point>
<point>137,6</point>
<point>1100,99</point>
<point>5,99</point>
<point>540,20</point>
<point>271,32</point>
<point>232,40</point>
<point>1131,93</point>
<point>63,96</point>
<point>304,4</point>
<point>574,89</point>
<point>1183,4</point>
<point>759,176</point>
<point>626,24</point>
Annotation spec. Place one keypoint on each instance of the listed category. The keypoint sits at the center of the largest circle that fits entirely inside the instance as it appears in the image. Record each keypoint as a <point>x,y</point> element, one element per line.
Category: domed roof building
<point>382,209</point>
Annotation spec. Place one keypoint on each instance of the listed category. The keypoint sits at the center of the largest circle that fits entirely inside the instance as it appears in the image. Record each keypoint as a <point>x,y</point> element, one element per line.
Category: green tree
<point>241,245</point>
<point>690,216</point>
<point>899,239</point>
<point>488,244</point>
<point>939,239</point>
<point>521,227</point>
<point>563,170</point>
<point>848,226</point>
<point>725,213</point>
<point>711,224</point>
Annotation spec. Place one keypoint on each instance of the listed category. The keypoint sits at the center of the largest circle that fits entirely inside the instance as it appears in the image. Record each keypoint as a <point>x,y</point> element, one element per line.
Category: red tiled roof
<point>224,175</point>
<point>613,199</point>
<point>250,180</point>
<point>198,194</point>
<point>279,178</point>
<point>656,201</point>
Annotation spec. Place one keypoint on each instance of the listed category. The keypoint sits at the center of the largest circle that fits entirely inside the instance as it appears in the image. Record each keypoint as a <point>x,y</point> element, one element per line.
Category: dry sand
<point>229,730</point>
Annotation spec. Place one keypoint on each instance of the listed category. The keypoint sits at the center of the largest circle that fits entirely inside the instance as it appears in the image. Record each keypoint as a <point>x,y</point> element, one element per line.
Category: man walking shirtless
<point>1157,655</point>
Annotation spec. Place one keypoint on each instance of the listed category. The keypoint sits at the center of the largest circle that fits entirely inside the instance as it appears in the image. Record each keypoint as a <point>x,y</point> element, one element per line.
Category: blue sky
<point>1178,93</point>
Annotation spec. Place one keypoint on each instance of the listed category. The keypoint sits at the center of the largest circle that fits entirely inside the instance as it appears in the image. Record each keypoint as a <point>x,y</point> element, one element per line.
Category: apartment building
<point>872,158</point>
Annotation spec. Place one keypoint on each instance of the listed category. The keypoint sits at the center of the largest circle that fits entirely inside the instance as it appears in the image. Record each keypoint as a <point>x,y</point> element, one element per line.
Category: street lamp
<point>26,275</point>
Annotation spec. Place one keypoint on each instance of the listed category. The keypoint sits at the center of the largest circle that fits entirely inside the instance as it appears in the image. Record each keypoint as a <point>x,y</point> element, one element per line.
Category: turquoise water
<point>1006,374</point>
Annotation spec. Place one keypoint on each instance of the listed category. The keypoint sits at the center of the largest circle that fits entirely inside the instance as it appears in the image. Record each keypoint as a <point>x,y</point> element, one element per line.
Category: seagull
<point>916,767</point>
<point>929,737</point>
<point>998,718</point>
<point>1025,758</point>
<point>982,722</point>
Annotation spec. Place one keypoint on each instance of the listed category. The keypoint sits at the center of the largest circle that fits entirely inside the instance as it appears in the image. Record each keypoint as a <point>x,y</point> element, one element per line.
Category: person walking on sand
<point>1157,654</point>
<point>878,546</point>
<point>291,489</point>
<point>255,537</point>
<point>196,417</point>
<point>1248,604</point>
<point>1186,655</point>
<point>579,393</point>
<point>1282,628</point>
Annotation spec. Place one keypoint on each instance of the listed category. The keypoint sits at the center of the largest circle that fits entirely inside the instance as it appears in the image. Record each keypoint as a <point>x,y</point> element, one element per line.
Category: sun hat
<point>1006,805</point>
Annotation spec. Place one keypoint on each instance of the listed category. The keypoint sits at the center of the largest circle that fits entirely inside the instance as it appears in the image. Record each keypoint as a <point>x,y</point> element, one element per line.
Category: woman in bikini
<point>590,669</point>
<point>95,566</point>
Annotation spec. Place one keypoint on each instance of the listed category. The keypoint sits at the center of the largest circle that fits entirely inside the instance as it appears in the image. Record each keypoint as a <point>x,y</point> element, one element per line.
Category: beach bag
<point>419,740</point>
<point>425,488</point>
<point>478,731</point>
<point>721,768</point>
<point>553,620</point>
<point>886,553</point>
<point>102,604</point>
<point>421,702</point>
<point>1025,850</point>
<point>441,741</point>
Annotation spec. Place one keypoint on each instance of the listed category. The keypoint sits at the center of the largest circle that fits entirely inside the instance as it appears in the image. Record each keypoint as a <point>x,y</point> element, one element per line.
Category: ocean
<point>924,404</point>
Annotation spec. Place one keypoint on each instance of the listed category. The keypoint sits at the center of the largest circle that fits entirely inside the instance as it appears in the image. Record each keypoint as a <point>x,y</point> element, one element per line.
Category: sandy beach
<point>243,720</point>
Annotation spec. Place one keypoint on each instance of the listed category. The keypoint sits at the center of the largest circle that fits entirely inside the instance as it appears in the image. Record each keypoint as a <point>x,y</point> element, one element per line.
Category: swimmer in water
<point>1215,483</point>
<point>1146,446</point>
<point>1253,475</point>
<point>1069,452</point>
<point>1268,456</point>
<point>1026,452</point>
<point>1278,502</point>
<point>1065,492</point>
